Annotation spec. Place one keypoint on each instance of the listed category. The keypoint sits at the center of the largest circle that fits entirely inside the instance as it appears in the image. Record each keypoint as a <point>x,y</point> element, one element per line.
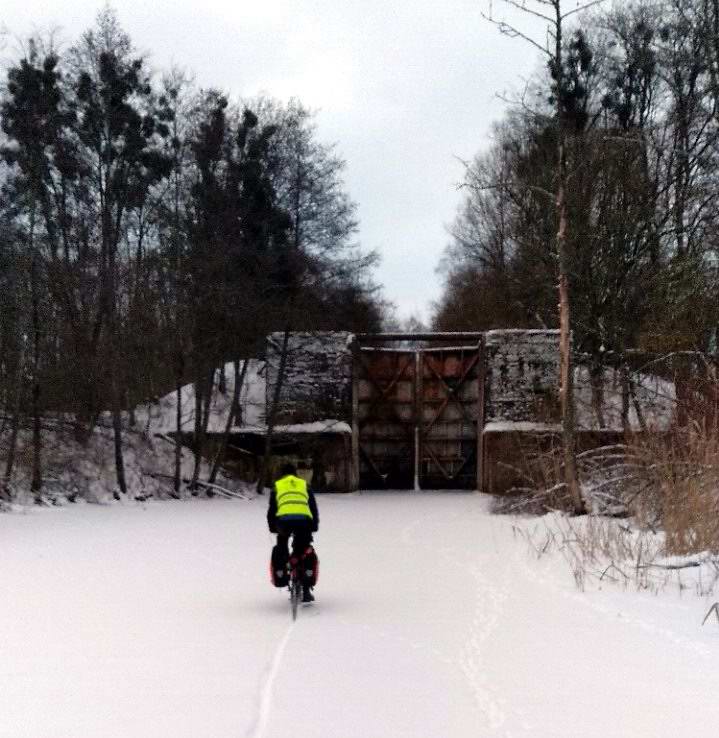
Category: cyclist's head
<point>287,469</point>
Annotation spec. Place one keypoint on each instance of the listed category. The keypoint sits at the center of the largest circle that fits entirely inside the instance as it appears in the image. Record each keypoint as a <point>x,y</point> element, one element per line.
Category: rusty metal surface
<point>449,410</point>
<point>417,418</point>
<point>386,396</point>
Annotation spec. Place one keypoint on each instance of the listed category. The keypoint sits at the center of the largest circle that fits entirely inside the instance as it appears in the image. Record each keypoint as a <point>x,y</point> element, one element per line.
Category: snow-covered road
<point>431,621</point>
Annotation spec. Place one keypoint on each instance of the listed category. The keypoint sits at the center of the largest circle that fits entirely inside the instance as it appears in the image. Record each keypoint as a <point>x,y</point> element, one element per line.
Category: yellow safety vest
<point>292,497</point>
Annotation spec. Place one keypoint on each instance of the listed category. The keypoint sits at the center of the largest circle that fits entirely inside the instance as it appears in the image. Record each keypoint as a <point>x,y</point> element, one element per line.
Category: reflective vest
<point>292,497</point>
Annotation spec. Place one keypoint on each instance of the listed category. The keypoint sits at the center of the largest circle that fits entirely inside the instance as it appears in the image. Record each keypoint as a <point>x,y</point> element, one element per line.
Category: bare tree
<point>552,13</point>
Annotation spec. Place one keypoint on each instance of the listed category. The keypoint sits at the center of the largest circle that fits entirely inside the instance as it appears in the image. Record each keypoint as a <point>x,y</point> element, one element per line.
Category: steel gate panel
<point>418,417</point>
<point>386,381</point>
<point>449,416</point>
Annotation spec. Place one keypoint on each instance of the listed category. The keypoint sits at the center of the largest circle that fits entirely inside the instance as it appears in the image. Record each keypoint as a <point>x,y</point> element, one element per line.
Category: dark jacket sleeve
<point>315,512</point>
<point>272,513</point>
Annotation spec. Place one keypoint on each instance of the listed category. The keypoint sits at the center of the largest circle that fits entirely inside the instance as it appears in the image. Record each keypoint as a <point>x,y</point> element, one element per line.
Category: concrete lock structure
<point>414,411</point>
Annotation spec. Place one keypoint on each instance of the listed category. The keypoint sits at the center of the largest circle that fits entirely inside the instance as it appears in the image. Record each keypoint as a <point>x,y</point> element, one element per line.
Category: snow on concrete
<point>319,426</point>
<point>431,620</point>
<point>508,426</point>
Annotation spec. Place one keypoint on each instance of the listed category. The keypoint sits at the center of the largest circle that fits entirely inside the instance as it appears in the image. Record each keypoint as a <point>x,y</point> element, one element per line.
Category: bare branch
<point>511,32</point>
<point>523,7</point>
<point>582,8</point>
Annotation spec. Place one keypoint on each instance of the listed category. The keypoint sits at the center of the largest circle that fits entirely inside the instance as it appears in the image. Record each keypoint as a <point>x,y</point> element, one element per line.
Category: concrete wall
<point>522,376</point>
<point>318,377</point>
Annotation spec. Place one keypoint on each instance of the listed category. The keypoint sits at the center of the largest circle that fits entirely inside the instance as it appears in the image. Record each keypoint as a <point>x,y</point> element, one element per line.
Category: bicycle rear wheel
<point>295,595</point>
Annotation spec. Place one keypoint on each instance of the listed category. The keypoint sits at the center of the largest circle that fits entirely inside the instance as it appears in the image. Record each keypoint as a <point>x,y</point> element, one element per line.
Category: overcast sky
<point>406,88</point>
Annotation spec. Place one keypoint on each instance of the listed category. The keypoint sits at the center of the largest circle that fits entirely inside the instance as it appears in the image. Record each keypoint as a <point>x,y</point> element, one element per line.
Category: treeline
<point>640,99</point>
<point>150,232</point>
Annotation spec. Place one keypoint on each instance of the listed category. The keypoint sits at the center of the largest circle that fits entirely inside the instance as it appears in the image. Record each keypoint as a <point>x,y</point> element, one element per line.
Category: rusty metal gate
<point>417,416</point>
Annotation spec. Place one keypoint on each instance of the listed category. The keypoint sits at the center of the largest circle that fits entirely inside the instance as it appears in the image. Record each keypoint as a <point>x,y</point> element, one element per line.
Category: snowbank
<point>73,470</point>
<point>655,396</point>
<point>160,417</point>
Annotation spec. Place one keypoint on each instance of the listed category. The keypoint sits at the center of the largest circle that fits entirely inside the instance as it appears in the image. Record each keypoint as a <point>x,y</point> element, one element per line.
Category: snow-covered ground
<point>431,621</point>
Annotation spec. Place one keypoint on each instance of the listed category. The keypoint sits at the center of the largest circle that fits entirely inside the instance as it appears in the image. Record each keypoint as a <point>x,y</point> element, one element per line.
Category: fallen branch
<point>616,568</point>
<point>713,609</point>
<point>216,488</point>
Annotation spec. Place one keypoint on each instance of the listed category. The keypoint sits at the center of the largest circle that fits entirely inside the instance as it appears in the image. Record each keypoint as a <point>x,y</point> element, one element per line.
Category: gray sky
<point>404,87</point>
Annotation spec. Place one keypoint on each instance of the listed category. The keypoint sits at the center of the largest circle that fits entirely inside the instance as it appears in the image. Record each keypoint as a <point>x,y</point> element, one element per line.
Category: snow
<point>319,426</point>
<point>500,332</point>
<point>656,397</point>
<point>510,426</point>
<point>160,417</point>
<point>432,619</point>
<point>88,469</point>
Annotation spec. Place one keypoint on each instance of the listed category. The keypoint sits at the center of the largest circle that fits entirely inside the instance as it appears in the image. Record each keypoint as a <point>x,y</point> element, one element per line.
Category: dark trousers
<point>301,532</point>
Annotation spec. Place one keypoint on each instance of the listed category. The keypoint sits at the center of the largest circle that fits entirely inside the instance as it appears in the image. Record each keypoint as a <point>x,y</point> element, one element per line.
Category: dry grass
<point>539,473</point>
<point>662,481</point>
<point>686,479</point>
<point>602,550</point>
<point>653,503</point>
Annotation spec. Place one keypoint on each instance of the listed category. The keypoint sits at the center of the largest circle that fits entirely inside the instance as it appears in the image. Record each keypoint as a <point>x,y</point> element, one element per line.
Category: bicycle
<point>294,585</point>
<point>300,576</point>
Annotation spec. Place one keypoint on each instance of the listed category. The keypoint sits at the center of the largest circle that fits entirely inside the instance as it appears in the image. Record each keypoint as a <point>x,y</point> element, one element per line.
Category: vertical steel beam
<point>354,475</point>
<point>418,415</point>
<point>481,380</point>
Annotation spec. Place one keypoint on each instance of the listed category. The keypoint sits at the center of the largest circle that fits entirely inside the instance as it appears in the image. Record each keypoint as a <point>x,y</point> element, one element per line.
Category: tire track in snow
<point>257,730</point>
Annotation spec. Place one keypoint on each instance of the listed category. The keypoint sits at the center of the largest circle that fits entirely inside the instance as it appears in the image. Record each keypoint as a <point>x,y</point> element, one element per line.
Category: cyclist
<point>293,512</point>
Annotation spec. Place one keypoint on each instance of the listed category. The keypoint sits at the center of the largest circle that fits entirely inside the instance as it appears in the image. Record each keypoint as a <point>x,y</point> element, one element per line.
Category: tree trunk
<point>10,462</point>
<point>117,436</point>
<point>626,427</point>
<point>178,441</point>
<point>36,483</point>
<point>16,414</point>
<point>566,384</point>
<point>597,389</point>
<point>12,446</point>
<point>220,455</point>
<point>197,434</point>
<point>637,407</point>
<point>178,295</point>
<point>116,402</point>
<point>265,467</point>
<point>202,419</point>
<point>566,391</point>
<point>113,353</point>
